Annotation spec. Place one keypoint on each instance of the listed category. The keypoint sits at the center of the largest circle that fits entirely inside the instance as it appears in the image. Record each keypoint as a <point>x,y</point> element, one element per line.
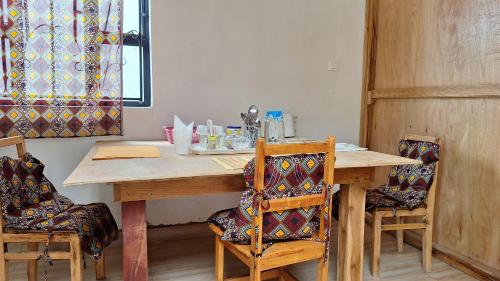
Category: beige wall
<point>214,58</point>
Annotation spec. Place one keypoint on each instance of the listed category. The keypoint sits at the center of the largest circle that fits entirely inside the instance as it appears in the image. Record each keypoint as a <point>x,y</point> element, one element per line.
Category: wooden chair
<point>426,213</point>
<point>33,239</point>
<point>271,263</point>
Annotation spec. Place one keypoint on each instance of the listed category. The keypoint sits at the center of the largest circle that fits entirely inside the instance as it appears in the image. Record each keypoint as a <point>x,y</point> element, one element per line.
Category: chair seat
<point>380,202</point>
<point>400,212</point>
<point>11,230</point>
<point>93,222</point>
<point>279,254</point>
<point>389,207</point>
<point>11,235</point>
<point>377,199</point>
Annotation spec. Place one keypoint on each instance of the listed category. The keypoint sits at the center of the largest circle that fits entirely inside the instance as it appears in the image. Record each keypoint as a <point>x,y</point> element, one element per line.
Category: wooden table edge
<point>202,185</point>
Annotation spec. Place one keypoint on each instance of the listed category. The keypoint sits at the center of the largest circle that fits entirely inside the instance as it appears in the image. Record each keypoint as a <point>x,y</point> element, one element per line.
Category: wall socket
<point>332,65</point>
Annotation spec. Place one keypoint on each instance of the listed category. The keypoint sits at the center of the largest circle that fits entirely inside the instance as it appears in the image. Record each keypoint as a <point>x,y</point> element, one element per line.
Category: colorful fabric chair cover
<point>407,185</point>
<point>30,202</point>
<point>284,176</point>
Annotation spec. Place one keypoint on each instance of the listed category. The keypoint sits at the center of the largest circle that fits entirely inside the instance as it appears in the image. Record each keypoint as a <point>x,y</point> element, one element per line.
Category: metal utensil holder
<point>252,133</point>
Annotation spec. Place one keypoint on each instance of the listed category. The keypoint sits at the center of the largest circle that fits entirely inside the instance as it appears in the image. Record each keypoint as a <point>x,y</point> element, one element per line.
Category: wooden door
<point>432,67</point>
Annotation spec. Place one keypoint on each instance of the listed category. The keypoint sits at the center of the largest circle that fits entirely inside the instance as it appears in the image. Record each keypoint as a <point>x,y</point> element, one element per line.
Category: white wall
<point>213,59</point>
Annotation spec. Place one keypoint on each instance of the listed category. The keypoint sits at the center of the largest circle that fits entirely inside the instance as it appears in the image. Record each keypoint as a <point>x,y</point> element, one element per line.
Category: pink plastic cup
<point>168,135</point>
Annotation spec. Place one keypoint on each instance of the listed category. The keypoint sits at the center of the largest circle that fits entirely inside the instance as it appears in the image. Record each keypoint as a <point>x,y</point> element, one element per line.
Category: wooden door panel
<point>437,43</point>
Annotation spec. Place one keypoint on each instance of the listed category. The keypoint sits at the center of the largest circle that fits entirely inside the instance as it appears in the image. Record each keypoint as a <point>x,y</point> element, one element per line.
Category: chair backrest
<point>18,141</point>
<point>431,194</point>
<point>272,205</point>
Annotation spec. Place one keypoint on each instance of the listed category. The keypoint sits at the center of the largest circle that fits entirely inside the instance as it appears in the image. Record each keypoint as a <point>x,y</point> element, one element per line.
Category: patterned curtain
<point>61,68</point>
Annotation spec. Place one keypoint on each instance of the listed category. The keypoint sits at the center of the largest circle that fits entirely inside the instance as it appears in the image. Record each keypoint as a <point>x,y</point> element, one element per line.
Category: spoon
<point>253,115</point>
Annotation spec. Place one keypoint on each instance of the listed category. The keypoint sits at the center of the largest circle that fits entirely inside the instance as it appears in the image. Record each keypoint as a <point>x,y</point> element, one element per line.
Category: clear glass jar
<point>274,127</point>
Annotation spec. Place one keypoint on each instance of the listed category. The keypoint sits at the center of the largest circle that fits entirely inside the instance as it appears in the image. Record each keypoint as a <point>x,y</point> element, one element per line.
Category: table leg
<point>351,232</point>
<point>135,246</point>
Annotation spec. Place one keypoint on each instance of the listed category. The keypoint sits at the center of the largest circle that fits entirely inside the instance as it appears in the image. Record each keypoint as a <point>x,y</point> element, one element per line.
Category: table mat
<point>233,162</point>
<point>126,152</point>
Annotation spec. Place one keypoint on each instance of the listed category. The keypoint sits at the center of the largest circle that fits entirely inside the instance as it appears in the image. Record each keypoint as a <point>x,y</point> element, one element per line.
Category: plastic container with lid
<point>274,126</point>
<point>233,130</point>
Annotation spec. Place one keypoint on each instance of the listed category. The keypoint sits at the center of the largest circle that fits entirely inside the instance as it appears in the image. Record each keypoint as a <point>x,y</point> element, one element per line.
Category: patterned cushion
<point>284,176</point>
<point>376,198</point>
<point>30,202</point>
<point>408,184</point>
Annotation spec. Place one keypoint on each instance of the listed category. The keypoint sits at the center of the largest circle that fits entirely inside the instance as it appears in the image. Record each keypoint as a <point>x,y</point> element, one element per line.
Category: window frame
<point>142,40</point>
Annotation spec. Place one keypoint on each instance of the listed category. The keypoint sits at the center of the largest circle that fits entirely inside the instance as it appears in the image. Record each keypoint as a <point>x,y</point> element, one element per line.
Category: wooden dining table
<point>135,181</point>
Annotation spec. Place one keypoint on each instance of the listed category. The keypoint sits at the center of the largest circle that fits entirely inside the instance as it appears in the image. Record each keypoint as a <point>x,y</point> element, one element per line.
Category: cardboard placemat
<point>233,162</point>
<point>126,152</point>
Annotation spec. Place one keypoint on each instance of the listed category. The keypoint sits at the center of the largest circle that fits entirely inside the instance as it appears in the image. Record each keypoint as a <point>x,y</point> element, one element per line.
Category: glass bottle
<point>274,125</point>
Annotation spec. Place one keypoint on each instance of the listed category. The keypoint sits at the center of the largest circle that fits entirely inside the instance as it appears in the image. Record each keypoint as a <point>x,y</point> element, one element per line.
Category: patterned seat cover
<point>31,203</point>
<point>407,185</point>
<point>284,176</point>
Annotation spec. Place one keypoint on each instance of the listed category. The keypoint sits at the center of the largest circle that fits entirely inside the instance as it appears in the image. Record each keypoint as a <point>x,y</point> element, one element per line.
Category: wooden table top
<point>171,166</point>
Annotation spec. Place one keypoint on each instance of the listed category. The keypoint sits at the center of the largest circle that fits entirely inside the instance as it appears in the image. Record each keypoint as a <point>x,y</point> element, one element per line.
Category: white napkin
<point>182,136</point>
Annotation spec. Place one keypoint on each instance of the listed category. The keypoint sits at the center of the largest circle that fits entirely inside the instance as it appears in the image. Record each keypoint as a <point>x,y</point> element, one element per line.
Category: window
<point>136,54</point>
